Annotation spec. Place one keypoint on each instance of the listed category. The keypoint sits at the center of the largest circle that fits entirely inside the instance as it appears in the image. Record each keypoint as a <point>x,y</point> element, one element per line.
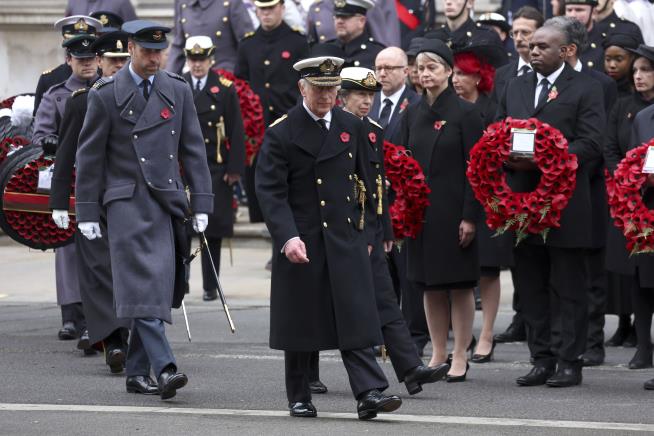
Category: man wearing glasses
<point>391,68</point>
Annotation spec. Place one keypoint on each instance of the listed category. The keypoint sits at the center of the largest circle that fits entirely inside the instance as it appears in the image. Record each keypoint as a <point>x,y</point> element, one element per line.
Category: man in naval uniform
<point>47,125</point>
<point>140,129</point>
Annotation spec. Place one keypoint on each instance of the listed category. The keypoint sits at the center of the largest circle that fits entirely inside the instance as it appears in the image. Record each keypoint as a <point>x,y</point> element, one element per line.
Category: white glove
<point>90,230</point>
<point>200,222</point>
<point>60,217</point>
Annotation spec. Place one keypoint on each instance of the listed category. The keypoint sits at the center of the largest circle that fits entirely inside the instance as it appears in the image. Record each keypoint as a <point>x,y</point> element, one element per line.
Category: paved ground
<point>236,381</point>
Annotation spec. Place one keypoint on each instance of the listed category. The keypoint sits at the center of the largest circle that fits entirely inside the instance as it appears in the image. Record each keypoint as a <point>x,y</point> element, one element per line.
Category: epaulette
<point>101,82</point>
<point>79,91</point>
<point>374,123</point>
<point>225,81</point>
<point>278,120</point>
<point>297,29</point>
<point>175,76</point>
<point>46,72</point>
<point>248,35</point>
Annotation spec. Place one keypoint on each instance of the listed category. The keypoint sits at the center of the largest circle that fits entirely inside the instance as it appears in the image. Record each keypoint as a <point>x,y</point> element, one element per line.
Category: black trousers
<point>362,369</point>
<point>541,274</point>
<point>518,320</point>
<point>208,279</point>
<point>413,307</point>
<point>597,299</point>
<point>643,304</point>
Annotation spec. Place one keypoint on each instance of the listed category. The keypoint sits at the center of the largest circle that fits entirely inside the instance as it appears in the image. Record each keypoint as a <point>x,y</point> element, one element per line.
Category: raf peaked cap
<point>111,45</point>
<point>347,8</point>
<point>438,47</point>
<point>359,79</point>
<point>80,46</point>
<point>78,25</point>
<point>199,47</point>
<point>110,21</point>
<point>147,34</point>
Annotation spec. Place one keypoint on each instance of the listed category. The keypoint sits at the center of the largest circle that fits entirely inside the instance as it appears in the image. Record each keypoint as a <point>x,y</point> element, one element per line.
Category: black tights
<point>643,304</point>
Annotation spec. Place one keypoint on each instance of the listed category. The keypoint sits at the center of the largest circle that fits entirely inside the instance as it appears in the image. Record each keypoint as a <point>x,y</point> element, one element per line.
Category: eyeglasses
<point>388,68</point>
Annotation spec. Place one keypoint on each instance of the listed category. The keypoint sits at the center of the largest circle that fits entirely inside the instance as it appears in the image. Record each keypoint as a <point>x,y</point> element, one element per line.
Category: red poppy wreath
<point>526,213</point>
<point>629,213</point>
<point>411,191</point>
<point>252,113</point>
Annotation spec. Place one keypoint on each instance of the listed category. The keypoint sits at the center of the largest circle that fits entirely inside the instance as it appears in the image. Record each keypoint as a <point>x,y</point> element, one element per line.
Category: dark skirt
<point>422,287</point>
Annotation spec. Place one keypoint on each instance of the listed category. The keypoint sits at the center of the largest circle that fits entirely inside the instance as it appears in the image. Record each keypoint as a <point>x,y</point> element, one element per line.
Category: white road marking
<point>427,419</point>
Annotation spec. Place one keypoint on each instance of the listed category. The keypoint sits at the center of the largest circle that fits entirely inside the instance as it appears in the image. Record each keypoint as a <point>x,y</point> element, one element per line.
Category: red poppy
<point>286,54</point>
<point>165,113</point>
<point>439,124</point>
<point>214,90</point>
<point>372,136</point>
<point>345,137</point>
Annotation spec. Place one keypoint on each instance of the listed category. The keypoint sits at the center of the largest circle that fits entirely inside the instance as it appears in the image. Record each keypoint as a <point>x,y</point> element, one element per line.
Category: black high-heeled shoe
<point>470,349</point>
<point>484,358</point>
<point>642,359</point>
<point>458,378</point>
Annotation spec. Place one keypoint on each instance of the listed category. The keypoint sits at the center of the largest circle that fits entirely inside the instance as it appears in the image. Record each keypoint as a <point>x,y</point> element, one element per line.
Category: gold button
<point>142,159</point>
<point>187,35</point>
<point>593,45</point>
<point>322,203</point>
<point>183,20</point>
<point>317,9</point>
<point>590,64</point>
<point>183,5</point>
<point>267,85</point>
<point>225,19</point>
<point>170,156</point>
<point>172,132</point>
<point>348,198</point>
<point>266,62</point>
<point>213,107</point>
<point>363,46</point>
<point>219,33</point>
<point>136,136</point>
<point>170,181</point>
<point>468,34</point>
<point>374,195</point>
<point>226,3</point>
<point>131,112</point>
<point>324,224</point>
<point>377,166</point>
<point>349,220</point>
<point>270,108</point>
<point>322,37</point>
<point>357,63</point>
<point>319,181</point>
<point>612,24</point>
<point>350,177</point>
<point>318,23</point>
<point>209,124</point>
<point>206,140</point>
<point>350,155</point>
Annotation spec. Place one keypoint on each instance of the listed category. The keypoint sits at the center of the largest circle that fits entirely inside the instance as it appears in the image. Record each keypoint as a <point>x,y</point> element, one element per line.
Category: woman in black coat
<point>440,130</point>
<point>618,59</point>
<point>473,81</point>
<point>619,141</point>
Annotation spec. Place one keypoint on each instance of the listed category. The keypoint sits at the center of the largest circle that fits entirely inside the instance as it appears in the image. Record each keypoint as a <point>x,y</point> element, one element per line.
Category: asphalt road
<point>236,386</point>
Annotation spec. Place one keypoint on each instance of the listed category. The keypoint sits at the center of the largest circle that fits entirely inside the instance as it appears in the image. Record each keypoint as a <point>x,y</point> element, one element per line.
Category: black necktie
<point>197,86</point>
<point>146,91</point>
<point>323,124</point>
<point>544,90</point>
<point>524,70</point>
<point>386,112</point>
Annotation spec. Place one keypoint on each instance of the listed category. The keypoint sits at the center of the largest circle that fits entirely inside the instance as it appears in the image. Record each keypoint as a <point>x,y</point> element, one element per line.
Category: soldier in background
<point>69,27</point>
<point>356,46</point>
<point>93,261</point>
<point>122,8</point>
<point>216,103</point>
<point>47,125</point>
<point>226,22</point>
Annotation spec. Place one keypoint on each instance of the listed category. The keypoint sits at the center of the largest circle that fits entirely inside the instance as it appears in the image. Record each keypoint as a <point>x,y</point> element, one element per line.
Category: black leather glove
<point>49,144</point>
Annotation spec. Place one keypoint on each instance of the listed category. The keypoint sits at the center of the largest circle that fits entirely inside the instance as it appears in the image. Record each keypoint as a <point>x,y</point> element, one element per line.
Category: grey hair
<point>573,30</point>
<point>433,57</point>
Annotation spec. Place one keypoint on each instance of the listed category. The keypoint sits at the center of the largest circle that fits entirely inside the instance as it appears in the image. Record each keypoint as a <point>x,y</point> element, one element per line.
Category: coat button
<point>170,181</point>
<point>219,34</point>
<point>131,112</point>
<point>612,25</point>
<point>319,181</point>
<point>142,159</point>
<point>317,9</point>
<point>172,132</point>
<point>225,19</point>
<point>270,108</point>
<point>349,221</point>
<point>349,155</point>
<point>357,63</point>
<point>324,224</point>
<point>593,45</point>
<point>209,124</point>
<point>322,37</point>
<point>187,35</point>
<point>183,20</point>
<point>318,23</point>
<point>149,183</point>
<point>363,46</point>
<point>377,166</point>
<point>206,140</point>
<point>348,198</point>
<point>267,85</point>
<point>170,156</point>
<point>350,177</point>
<point>136,136</point>
<point>226,3</point>
<point>322,203</point>
<point>266,62</point>
<point>213,107</point>
<point>183,5</point>
<point>374,195</point>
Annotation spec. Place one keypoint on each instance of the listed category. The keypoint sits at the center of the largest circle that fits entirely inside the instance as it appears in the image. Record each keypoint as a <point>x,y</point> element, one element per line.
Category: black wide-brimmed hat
<point>646,51</point>
<point>486,45</point>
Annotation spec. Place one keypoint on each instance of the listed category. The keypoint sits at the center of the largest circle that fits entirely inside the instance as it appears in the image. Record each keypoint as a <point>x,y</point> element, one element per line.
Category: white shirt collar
<point>553,76</point>
<point>203,81</point>
<point>394,98</point>
<point>327,117</point>
<point>522,63</point>
<point>578,66</point>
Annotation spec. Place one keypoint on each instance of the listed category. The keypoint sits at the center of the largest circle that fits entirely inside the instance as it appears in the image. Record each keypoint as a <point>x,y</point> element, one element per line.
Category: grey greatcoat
<point>129,157</point>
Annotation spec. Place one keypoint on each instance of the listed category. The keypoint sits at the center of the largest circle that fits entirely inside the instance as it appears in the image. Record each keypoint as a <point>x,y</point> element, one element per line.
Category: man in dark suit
<point>216,103</point>
<point>525,23</point>
<point>311,175</point>
<point>565,99</point>
<point>140,127</point>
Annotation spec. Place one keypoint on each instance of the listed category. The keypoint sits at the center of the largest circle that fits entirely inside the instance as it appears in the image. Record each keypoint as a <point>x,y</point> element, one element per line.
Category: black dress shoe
<point>618,337</point>
<point>373,402</point>
<point>515,332</point>
<point>565,376</point>
<point>317,387</point>
<point>484,358</point>
<point>85,344</point>
<point>422,374</point>
<point>140,384</point>
<point>642,359</point>
<point>302,410</point>
<point>210,295</point>
<point>169,381</point>
<point>593,358</point>
<point>631,339</point>
<point>649,385</point>
<point>116,360</point>
<point>458,378</point>
<point>536,377</point>
<point>68,331</point>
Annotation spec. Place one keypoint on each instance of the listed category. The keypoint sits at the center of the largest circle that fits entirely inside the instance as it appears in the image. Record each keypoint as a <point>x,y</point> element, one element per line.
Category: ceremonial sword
<point>203,242</point>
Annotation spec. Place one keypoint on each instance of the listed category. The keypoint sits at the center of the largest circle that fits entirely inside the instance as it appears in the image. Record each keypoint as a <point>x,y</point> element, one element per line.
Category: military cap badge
<point>157,35</point>
<point>327,67</point>
<point>369,81</point>
<point>81,25</point>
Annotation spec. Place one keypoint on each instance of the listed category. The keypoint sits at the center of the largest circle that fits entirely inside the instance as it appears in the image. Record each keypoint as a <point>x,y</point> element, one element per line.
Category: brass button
<point>593,45</point>
<point>322,203</point>
<point>172,132</point>
<point>363,46</point>
<point>348,198</point>
<point>349,220</point>
<point>209,124</point>
<point>374,195</point>
<point>226,3</point>
<point>225,19</point>
<point>219,34</point>
<point>170,181</point>
<point>590,64</point>
<point>149,183</point>
<point>319,181</point>
<point>266,62</point>
<point>322,37</point>
<point>183,20</point>
<point>357,63</point>
<point>468,34</point>
<point>270,108</point>
<point>324,224</point>
<point>317,9</point>
<point>206,140</point>
<point>136,136</point>
<point>183,5</point>
<point>213,107</point>
<point>170,156</point>
<point>612,25</point>
<point>187,35</point>
<point>142,159</point>
<point>350,177</point>
<point>267,85</point>
<point>131,112</point>
<point>349,155</point>
<point>318,23</point>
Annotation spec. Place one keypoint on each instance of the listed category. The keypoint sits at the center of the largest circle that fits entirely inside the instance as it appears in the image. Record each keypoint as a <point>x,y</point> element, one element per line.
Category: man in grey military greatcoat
<point>140,128</point>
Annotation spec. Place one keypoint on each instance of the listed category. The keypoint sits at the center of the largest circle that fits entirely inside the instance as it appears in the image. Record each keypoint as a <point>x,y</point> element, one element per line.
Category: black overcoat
<point>435,257</point>
<point>578,112</point>
<point>215,102</point>
<point>305,180</point>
